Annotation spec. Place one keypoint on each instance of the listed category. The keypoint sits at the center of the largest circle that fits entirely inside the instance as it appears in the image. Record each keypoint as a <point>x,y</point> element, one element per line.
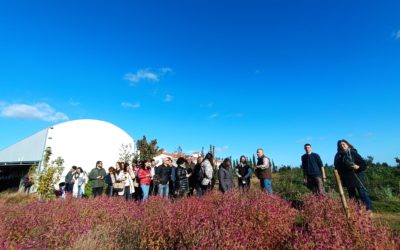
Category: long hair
<point>245,159</point>
<point>126,167</point>
<point>143,164</point>
<point>210,158</point>
<point>339,149</point>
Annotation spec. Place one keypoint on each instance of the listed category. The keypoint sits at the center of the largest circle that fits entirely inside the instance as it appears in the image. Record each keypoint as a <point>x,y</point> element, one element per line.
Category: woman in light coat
<point>207,167</point>
<point>127,178</point>
<point>80,179</point>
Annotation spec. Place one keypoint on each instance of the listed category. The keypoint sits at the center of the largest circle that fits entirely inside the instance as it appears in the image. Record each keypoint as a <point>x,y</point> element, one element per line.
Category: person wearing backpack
<point>198,176</point>
<point>263,171</point>
<point>351,167</point>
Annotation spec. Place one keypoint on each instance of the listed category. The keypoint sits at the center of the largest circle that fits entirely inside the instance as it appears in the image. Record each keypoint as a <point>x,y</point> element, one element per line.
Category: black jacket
<point>164,174</point>
<point>311,165</point>
<point>181,182</point>
<point>344,162</point>
<point>244,171</point>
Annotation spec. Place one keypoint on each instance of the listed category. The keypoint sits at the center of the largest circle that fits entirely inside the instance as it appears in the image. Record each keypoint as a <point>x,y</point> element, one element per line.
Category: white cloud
<point>135,105</point>
<point>213,116</point>
<point>148,74</point>
<point>39,111</point>
<point>221,149</point>
<point>168,98</point>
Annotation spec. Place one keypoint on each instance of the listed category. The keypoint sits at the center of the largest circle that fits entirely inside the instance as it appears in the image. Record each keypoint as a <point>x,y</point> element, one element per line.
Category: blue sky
<point>236,74</point>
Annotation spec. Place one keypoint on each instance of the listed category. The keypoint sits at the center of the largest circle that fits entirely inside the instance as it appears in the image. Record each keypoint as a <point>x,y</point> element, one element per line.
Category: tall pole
<point>343,198</point>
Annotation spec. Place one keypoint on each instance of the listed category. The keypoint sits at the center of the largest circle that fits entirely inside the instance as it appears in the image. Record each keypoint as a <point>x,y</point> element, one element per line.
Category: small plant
<point>49,176</point>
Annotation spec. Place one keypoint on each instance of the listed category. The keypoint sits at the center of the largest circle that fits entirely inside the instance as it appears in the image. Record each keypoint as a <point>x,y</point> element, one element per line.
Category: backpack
<point>198,173</point>
<point>108,180</point>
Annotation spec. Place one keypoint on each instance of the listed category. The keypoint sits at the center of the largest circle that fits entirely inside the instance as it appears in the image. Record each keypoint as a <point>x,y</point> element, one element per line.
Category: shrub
<point>325,227</point>
<point>217,221</point>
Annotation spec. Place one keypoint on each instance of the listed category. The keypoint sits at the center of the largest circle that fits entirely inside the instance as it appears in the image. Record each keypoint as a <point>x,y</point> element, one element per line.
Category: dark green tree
<point>397,159</point>
<point>147,150</point>
<point>254,160</point>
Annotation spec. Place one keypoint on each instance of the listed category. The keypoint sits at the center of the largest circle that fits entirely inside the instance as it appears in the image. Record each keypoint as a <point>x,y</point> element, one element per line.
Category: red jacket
<point>144,179</point>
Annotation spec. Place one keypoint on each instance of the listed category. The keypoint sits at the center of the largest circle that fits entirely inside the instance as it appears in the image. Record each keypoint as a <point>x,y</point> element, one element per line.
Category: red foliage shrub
<point>217,221</point>
<point>326,227</point>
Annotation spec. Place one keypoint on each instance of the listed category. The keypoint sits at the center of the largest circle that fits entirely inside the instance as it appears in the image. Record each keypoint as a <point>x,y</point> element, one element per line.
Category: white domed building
<point>80,143</point>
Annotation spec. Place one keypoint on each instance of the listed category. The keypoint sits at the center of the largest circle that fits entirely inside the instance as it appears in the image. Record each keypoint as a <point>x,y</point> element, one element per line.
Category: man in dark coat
<point>313,170</point>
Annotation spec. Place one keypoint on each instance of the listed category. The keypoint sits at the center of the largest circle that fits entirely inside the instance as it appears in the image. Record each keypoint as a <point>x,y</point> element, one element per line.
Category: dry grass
<point>392,220</point>
<point>17,197</point>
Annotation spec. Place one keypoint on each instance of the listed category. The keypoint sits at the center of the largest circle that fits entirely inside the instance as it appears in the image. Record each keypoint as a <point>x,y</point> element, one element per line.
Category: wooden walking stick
<point>343,198</point>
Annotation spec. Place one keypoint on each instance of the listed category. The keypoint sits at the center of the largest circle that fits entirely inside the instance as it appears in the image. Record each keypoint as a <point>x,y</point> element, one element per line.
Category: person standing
<point>182,178</point>
<point>172,189</point>
<point>313,170</point>
<point>351,167</point>
<point>144,175</point>
<point>243,172</point>
<point>69,180</point>
<point>225,176</point>
<point>190,168</point>
<point>110,180</point>
<point>84,180</point>
<point>198,176</point>
<point>128,178</point>
<point>164,172</point>
<point>263,171</point>
<point>79,179</point>
<point>155,180</point>
<point>97,176</point>
<point>207,167</point>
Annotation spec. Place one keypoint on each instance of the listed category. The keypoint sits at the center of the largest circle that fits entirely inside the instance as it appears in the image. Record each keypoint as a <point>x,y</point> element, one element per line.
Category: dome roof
<point>83,142</point>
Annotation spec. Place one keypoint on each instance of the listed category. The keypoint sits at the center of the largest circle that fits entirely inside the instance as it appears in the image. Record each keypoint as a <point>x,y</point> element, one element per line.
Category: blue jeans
<point>80,192</point>
<point>145,189</point>
<point>363,195</point>
<point>267,185</point>
<point>163,190</point>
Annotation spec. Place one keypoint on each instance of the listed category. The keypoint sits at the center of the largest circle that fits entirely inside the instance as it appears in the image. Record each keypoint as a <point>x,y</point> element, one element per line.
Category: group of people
<point>350,166</point>
<point>139,180</point>
<point>75,182</point>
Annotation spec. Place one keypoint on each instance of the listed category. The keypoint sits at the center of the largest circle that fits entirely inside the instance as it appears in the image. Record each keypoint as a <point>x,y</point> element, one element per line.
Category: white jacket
<point>126,178</point>
<point>207,168</point>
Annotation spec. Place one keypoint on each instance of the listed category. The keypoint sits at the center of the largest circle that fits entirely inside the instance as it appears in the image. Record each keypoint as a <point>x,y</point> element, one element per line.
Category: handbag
<point>118,186</point>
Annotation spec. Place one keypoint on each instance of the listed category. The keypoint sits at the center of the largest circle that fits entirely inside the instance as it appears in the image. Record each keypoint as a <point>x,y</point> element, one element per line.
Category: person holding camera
<point>243,172</point>
<point>351,167</point>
